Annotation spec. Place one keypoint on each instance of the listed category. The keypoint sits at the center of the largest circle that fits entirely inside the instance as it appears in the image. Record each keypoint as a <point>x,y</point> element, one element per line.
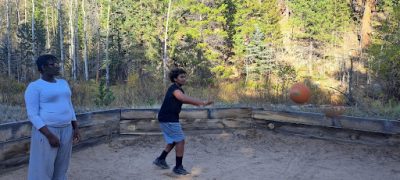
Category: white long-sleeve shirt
<point>49,103</point>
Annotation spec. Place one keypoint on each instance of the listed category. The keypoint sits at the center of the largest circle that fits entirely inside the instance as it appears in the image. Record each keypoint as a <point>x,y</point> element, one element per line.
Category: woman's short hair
<point>44,60</point>
<point>174,73</point>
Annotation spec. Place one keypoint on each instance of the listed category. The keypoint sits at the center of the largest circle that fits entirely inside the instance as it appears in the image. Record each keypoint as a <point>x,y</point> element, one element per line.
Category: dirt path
<point>239,155</point>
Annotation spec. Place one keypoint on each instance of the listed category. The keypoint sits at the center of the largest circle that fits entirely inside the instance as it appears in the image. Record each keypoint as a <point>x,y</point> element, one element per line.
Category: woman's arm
<point>74,122</point>
<point>32,100</point>
<point>32,97</point>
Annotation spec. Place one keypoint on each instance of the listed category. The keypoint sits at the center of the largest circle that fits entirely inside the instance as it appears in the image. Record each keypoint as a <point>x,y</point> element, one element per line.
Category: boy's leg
<point>179,149</point>
<point>64,154</point>
<point>167,149</point>
<point>160,161</point>
<point>42,156</point>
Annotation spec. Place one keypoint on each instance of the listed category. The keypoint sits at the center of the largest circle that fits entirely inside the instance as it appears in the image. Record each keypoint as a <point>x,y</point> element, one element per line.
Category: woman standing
<point>49,108</point>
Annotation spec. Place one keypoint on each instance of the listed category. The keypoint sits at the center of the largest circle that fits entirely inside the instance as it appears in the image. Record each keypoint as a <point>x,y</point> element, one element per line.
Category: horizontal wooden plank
<point>219,113</point>
<point>92,118</point>
<point>14,149</point>
<point>15,130</point>
<point>344,122</point>
<point>127,114</point>
<point>194,114</point>
<point>137,126</point>
<point>145,125</point>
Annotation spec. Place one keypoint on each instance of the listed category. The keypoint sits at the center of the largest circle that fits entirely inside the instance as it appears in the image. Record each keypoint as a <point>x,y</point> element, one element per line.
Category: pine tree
<point>317,19</point>
<point>256,26</point>
<point>260,57</point>
<point>386,50</point>
<point>105,96</point>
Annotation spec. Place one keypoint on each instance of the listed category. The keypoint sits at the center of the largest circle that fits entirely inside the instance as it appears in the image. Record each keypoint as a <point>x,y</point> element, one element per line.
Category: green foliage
<point>105,96</point>
<point>286,73</point>
<point>24,33</point>
<point>386,52</point>
<point>214,40</point>
<point>11,92</point>
<point>198,36</point>
<point>136,30</point>
<point>223,72</point>
<point>252,15</point>
<point>320,20</point>
<point>260,57</point>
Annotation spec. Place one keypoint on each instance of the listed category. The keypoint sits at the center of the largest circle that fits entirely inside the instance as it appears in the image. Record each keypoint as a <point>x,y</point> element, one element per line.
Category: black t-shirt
<point>171,107</point>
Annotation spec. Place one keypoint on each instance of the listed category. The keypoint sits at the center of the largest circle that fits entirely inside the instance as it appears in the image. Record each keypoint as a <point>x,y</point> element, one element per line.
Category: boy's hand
<point>206,103</point>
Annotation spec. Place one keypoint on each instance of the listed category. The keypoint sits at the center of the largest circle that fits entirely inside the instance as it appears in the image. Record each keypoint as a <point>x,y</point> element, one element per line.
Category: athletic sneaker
<point>180,170</point>
<point>161,163</point>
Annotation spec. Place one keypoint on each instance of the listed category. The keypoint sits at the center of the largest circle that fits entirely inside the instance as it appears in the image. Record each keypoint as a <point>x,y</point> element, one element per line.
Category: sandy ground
<point>245,154</point>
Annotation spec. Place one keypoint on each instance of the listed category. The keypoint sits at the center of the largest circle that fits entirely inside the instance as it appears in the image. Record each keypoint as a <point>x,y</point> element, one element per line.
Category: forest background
<point>237,52</point>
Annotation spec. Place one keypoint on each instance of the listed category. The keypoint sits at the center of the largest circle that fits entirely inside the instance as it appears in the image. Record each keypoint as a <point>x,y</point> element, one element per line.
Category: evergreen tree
<point>198,38</point>
<point>320,20</point>
<point>260,57</point>
<point>386,50</point>
<point>256,26</point>
<point>105,96</point>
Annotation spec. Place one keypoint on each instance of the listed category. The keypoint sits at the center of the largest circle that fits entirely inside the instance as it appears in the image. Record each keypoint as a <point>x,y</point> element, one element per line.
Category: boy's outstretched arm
<point>189,100</point>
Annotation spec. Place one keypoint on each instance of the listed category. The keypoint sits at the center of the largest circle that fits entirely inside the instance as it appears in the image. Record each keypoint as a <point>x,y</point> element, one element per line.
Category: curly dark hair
<point>174,73</point>
<point>43,60</point>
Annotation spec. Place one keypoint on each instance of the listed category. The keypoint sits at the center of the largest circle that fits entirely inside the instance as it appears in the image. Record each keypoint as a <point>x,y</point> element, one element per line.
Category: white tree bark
<point>18,13</point>
<point>53,19</point>
<point>107,61</point>
<point>85,60</point>
<point>8,39</point>
<point>72,39</point>
<point>33,34</point>
<point>45,4</point>
<point>76,40</point>
<point>60,29</point>
<point>18,64</point>
<point>26,13</point>
<point>165,55</point>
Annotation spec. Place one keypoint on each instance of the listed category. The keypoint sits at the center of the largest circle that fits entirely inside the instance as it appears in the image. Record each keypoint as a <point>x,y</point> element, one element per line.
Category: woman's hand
<point>76,136</point>
<point>53,140</point>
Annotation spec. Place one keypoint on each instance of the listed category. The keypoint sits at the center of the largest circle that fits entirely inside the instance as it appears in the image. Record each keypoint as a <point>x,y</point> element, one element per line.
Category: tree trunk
<point>59,9</point>
<point>76,40</point>
<point>85,60</point>
<point>165,55</point>
<point>45,4</point>
<point>310,57</point>
<point>351,100</point>
<point>18,13</point>
<point>33,34</point>
<point>8,39</point>
<point>72,39</point>
<point>366,28</point>
<point>98,45</point>
<point>98,56</point>
<point>53,20</point>
<point>26,14</point>
<point>18,63</point>
<point>107,61</point>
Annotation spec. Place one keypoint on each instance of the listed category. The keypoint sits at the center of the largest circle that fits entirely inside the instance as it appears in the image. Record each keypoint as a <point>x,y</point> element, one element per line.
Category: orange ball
<point>299,93</point>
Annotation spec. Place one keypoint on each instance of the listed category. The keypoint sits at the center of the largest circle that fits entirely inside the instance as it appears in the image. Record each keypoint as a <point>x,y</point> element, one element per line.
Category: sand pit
<point>242,154</point>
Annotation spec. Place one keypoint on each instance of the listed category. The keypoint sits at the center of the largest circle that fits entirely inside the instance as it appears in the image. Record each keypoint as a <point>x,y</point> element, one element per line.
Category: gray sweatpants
<point>46,162</point>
